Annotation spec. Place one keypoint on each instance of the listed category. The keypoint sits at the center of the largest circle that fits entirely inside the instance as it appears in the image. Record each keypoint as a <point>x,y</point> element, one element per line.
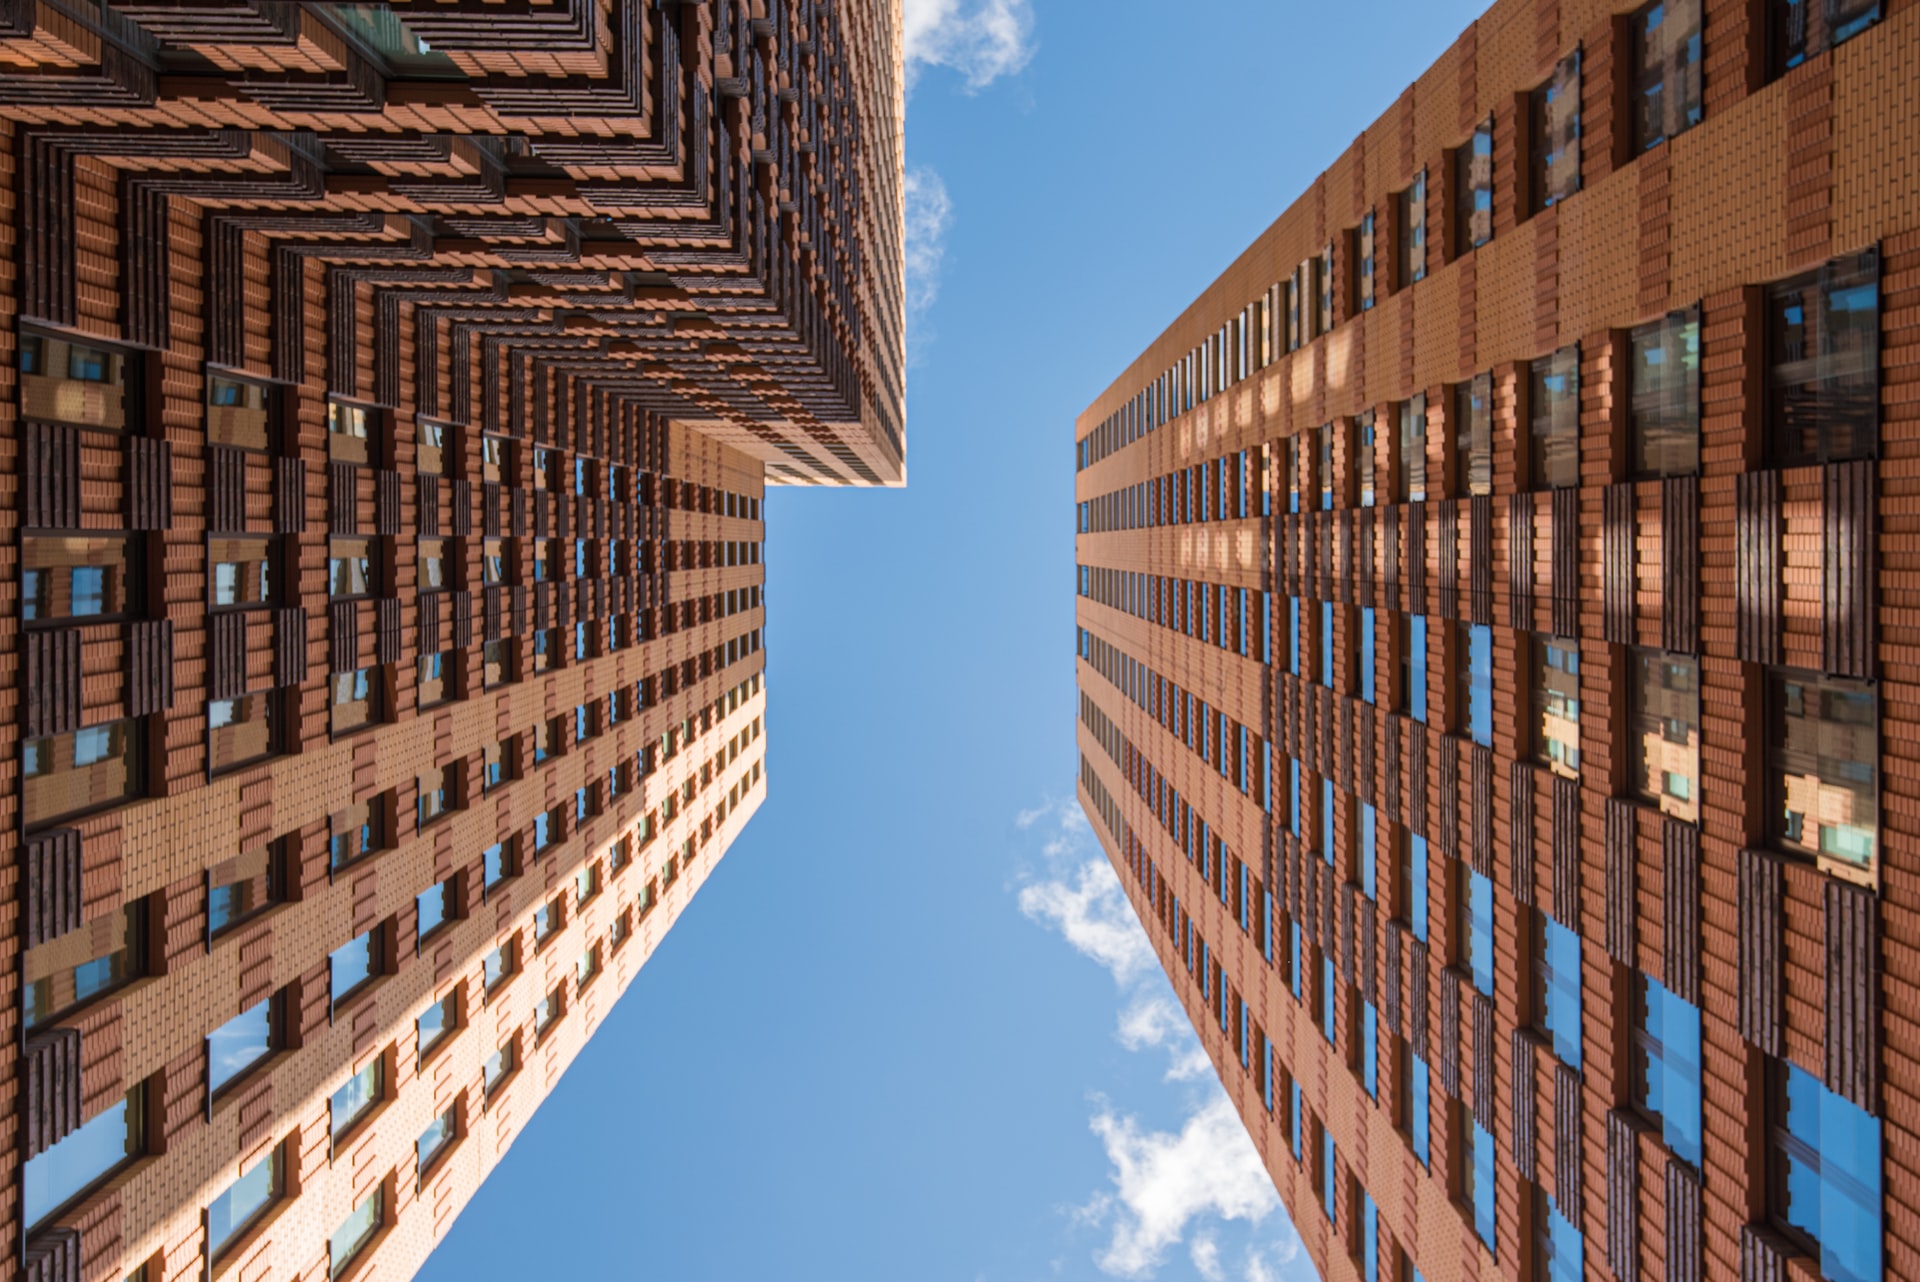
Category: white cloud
<point>929,214</point>
<point>1151,1021</point>
<point>1205,1251</point>
<point>981,39</point>
<point>1164,1180</point>
<point>1091,911</point>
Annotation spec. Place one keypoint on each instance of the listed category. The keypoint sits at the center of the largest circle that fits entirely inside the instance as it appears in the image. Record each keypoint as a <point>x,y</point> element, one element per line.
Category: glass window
<point>1370,1049</point>
<point>1369,1239</point>
<point>75,577</point>
<point>502,1062</point>
<point>80,1160</point>
<point>1363,456</point>
<point>243,729</point>
<point>586,883</point>
<point>1415,1104</point>
<point>1329,1175</point>
<point>430,447</point>
<point>1414,656</point>
<point>433,1141</point>
<point>495,465</point>
<point>1556,134</point>
<point>1413,231</point>
<point>546,920</point>
<point>497,965</point>
<point>1323,279</point>
<point>240,1044</point>
<point>353,965</point>
<point>1368,823</point>
<point>498,662</point>
<point>434,907</point>
<point>586,966</point>
<point>1366,655</point>
<point>1556,986</point>
<point>1823,1174</point>
<point>1556,704</point>
<point>346,433</point>
<point>357,698</point>
<point>1414,857</point>
<point>1325,454</point>
<point>1473,185</point>
<point>1666,1064</point>
<point>1823,753</point>
<point>1561,1248</point>
<point>548,1010</point>
<point>1554,383</point>
<point>356,831</point>
<point>1667,96</point>
<point>1800,29</point>
<point>88,769</point>
<point>239,412</point>
<point>431,567</point>
<point>1413,449</point>
<point>1326,644</point>
<point>360,1226</point>
<point>244,1202</point>
<point>1475,696</point>
<point>1473,436</point>
<point>493,562</point>
<point>1482,1186</point>
<point>496,864</point>
<point>1665,693</point>
<point>242,572</point>
<point>241,887</point>
<point>1364,245</point>
<point>436,1022</point>
<point>1293,635</point>
<point>1298,958</point>
<point>354,1100</point>
<point>65,381</point>
<point>73,969</point>
<point>1664,409</point>
<point>436,677</point>
<point>1474,930</point>
<point>1823,354</point>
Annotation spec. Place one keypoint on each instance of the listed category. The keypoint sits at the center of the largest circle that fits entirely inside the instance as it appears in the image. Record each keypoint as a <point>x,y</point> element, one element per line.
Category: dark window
<point>1823,341</point>
<point>1555,107</point>
<point>1413,449</point>
<point>1473,436</point>
<point>1473,188</point>
<point>1823,779</point>
<point>1665,1070</point>
<point>1800,29</point>
<point>1823,1174</point>
<point>1363,456</point>
<point>1413,231</point>
<point>1664,408</point>
<point>1555,722</point>
<point>1554,419</point>
<point>1665,729</point>
<point>1666,71</point>
<point>84,578</point>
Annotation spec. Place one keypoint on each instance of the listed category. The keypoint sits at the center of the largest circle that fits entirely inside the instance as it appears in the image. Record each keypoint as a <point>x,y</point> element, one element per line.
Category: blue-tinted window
<point>1266,929</point>
<point>245,1201</point>
<point>1329,1178</point>
<point>1666,1065</point>
<point>1562,1249</point>
<point>1482,1188</point>
<point>1327,991</point>
<point>1293,635</point>
<point>1293,929</point>
<point>1476,680</point>
<point>85,1156</point>
<point>1326,644</point>
<point>1476,931</point>
<point>1369,1238</point>
<point>238,1045</point>
<point>1370,1049</point>
<point>1369,832</point>
<point>1826,1174</point>
<point>1366,654</point>
<point>1419,1119</point>
<point>1326,822</point>
<point>1417,667</point>
<point>1266,1073</point>
<point>1293,794</point>
<point>1293,1116</point>
<point>1556,986</point>
<point>434,908</point>
<point>353,965</point>
<point>1416,874</point>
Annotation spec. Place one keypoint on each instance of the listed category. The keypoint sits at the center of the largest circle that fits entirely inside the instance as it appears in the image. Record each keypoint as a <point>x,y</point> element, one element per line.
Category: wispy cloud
<point>982,40</point>
<point>1090,910</point>
<point>929,214</point>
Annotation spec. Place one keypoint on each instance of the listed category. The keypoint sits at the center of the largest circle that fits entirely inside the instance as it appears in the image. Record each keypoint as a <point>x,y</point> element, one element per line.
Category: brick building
<point>1497,683</point>
<point>390,394</point>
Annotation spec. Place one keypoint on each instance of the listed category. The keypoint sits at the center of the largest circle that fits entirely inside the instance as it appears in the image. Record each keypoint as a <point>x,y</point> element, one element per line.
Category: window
<point>241,730</point>
<point>1413,848</point>
<point>1369,1238</point>
<point>352,1236</point>
<point>1473,436</point>
<point>1473,711</point>
<point>435,906</point>
<point>497,864</point>
<point>358,699</point>
<point>496,464</point>
<point>432,567</point>
<point>356,831</point>
<point>242,886</point>
<point>1363,253</point>
<point>1666,71</point>
<point>1823,1174</point>
<point>67,972</point>
<point>1823,356</point>
<point>352,966</point>
<point>1415,1101</point>
<point>1363,456</point>
<point>1413,659</point>
<point>349,568</point>
<point>1479,1183</point>
<point>66,381</point>
<point>546,920</point>
<point>1665,744</point>
<point>1801,29</point>
<point>499,1066</point>
<point>1556,704</point>
<point>1666,1064</point>
<point>1329,1000</point>
<point>1329,1174</point>
<point>1412,486</point>
<point>586,966</point>
<point>85,770</point>
<point>548,740</point>
<point>346,433</point>
<point>1370,1049</point>
<point>354,1100</point>
<point>500,964</point>
<point>239,412</point>
<point>1473,187</point>
<point>439,792</point>
<point>437,1022</point>
<point>1323,281</point>
<point>76,577</point>
<point>1556,986</point>
<point>1664,406</point>
<point>1293,635</point>
<point>1559,1245</point>
<point>245,1201</point>
<point>1365,655</point>
<point>550,1008</point>
<point>435,1140</point>
<point>436,673</point>
<point>493,562</point>
<point>1324,452</point>
<point>1823,778</point>
<point>546,829</point>
<point>242,572</point>
<point>586,883</point>
<point>1413,231</point>
<point>1294,1119</point>
<point>56,1176</point>
<point>430,447</point>
<point>1554,419</point>
<point>1555,109</point>
<point>241,1044</point>
<point>1474,931</point>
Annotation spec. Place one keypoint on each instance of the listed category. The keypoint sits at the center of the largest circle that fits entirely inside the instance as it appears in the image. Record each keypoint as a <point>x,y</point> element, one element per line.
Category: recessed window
<point>1473,436</point>
<point>1369,1238</point>
<point>1556,986</point>
<point>63,380</point>
<point>1370,1049</point>
<point>495,460</point>
<point>1324,452</point>
<point>1415,1103</point>
<point>1329,1175</point>
<point>1665,1071</point>
<point>1823,357</point>
<point>357,1097</point>
<point>349,568</point>
<point>435,906</point>
<point>1413,665</point>
<point>546,830</point>
<point>245,1201</point>
<point>546,559</point>
<point>586,883</point>
<point>1824,1174</point>
<point>1473,188</point>
<point>240,887</point>
<point>546,920</point>
<point>241,1044</point>
<point>1473,710</point>
<point>1554,419</point>
<point>1555,110</point>
<point>242,570</point>
<point>354,965</point>
<point>239,412</point>
<point>82,1159</point>
<point>346,433</point>
<point>1412,487</point>
<point>432,568</point>
<point>437,1022</point>
<point>1556,704</point>
<point>547,1012</point>
<point>357,831</point>
<point>359,1229</point>
<point>83,578</point>
<point>439,792</point>
<point>500,964</point>
<point>1363,253</point>
<point>1413,231</point>
<point>1666,70</point>
<point>1823,778</point>
<point>89,769</point>
<point>436,677</point>
<point>1802,29</point>
<point>497,864</point>
<point>499,1066</point>
<point>1559,1247</point>
<point>1329,999</point>
<point>493,562</point>
<point>1480,1182</point>
<point>429,456</point>
<point>499,662</point>
<point>1664,690</point>
<point>1413,854</point>
<point>358,698</point>
<point>586,966</point>
<point>66,973</point>
<point>549,740</point>
<point>242,729</point>
<point>435,1140</point>
<point>1363,456</point>
<point>1473,929</point>
<point>1365,655</point>
<point>1664,409</point>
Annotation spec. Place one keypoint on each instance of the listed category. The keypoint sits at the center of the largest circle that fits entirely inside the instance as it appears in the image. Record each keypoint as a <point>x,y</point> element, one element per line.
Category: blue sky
<point>909,1029</point>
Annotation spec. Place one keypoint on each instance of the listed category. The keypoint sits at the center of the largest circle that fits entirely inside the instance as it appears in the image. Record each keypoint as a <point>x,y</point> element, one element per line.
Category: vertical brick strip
<point>1485,1087</point>
<point>1367,964</point>
<point>1762,970</point>
<point>149,666</point>
<point>1623,1196</point>
<point>343,505</point>
<point>386,630</point>
<point>1450,1033</point>
<point>289,496</point>
<point>1520,561</point>
<point>1417,987</point>
<point>462,509</point>
<point>1417,778</point>
<point>1480,549</point>
<point>1756,566</point>
<point>1390,967</point>
<point>1390,557</point>
<point>1809,196</point>
<point>1763,1254</point>
<point>53,885</point>
<point>53,1255</point>
<point>1680,563</point>
<point>1680,907</point>
<point>1449,559</point>
<point>226,490</point>
<point>50,483</point>
<point>1390,790</point>
<point>343,636</point>
<point>386,501</point>
<point>1847,556</point>
<point>1417,559</point>
<point>53,1088</point>
<point>149,485</point>
<point>1347,894</point>
<point>289,646</point>
<point>1683,1222</point>
<point>53,700</point>
<point>462,619</point>
<point>1480,791</point>
<point>1853,994</point>
<point>1525,1144</point>
<point>1617,585</point>
<point>1449,833</point>
<point>227,663</point>
<point>1569,1132</point>
<point>1520,829</point>
<point>1566,563</point>
<point>1566,852</point>
<point>1620,838</point>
